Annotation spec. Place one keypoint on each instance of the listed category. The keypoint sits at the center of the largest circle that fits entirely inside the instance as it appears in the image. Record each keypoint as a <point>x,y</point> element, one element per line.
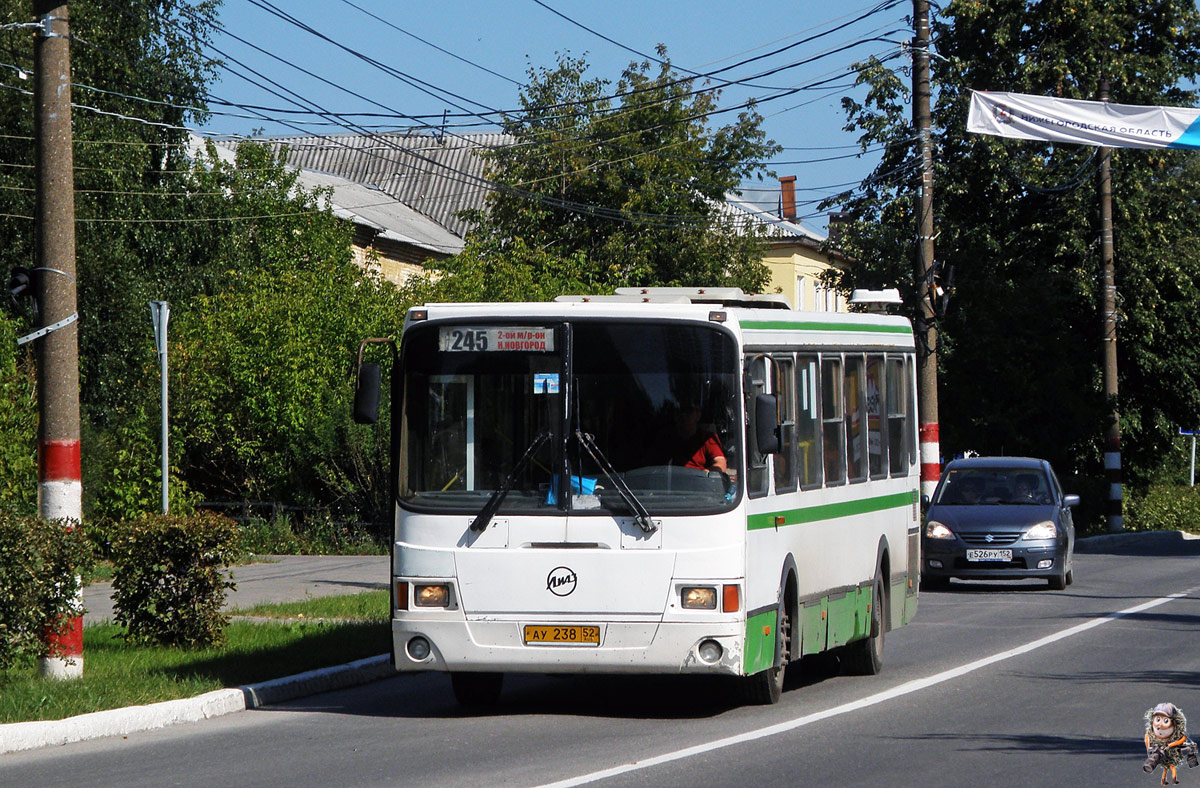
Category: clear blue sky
<point>502,39</point>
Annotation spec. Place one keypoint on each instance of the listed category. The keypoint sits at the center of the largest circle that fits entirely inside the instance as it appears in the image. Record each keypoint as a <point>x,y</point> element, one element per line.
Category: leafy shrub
<point>309,534</point>
<point>1163,507</point>
<point>168,584</point>
<point>39,563</point>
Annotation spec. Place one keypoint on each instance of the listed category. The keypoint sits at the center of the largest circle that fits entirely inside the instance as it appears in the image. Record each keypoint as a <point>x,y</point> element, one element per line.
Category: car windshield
<point>991,486</point>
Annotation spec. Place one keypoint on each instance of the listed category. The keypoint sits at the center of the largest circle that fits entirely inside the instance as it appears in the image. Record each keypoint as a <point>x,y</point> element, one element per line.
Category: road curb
<point>1143,538</point>
<point>19,736</point>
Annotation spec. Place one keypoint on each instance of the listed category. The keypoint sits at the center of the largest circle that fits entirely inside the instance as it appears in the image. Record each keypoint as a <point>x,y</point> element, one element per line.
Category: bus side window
<point>856,420</point>
<point>877,437</point>
<point>897,415</point>
<point>757,478</point>
<point>808,421</point>
<point>784,389</point>
<point>833,431</point>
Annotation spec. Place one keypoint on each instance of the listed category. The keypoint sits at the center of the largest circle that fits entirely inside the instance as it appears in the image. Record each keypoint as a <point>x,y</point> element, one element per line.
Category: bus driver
<point>691,447</point>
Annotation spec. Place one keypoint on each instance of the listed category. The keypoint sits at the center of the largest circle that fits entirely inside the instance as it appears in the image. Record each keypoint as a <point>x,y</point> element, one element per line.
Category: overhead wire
<point>326,113</point>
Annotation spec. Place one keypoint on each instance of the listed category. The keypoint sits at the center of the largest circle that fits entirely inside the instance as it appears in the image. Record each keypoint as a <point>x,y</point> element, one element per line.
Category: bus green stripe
<point>829,511</point>
<point>814,325</point>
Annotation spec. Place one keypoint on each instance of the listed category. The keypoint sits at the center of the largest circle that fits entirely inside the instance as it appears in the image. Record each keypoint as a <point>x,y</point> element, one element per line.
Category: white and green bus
<point>677,482</point>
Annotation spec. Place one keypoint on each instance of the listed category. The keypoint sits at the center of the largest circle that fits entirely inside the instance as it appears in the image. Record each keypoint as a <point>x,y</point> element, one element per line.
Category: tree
<point>1017,221</point>
<point>266,305</point>
<point>601,190</point>
<point>264,363</point>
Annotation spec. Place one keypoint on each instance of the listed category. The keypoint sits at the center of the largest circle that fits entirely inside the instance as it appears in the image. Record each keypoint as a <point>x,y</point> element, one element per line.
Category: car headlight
<point>936,530</point>
<point>1044,530</point>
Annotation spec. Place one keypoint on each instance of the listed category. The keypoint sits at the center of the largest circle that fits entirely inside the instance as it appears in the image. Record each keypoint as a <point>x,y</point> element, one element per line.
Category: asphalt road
<point>992,685</point>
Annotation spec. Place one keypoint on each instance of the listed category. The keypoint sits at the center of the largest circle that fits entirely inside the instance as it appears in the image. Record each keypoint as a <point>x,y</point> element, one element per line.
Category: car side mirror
<point>1070,500</point>
<point>924,500</point>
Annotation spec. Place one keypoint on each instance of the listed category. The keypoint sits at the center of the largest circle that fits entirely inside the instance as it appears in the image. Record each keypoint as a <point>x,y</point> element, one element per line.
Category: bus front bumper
<point>624,647</point>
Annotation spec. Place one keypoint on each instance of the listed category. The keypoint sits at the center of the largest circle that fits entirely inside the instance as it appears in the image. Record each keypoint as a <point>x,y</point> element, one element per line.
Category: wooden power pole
<point>926,326</point>
<point>60,490</point>
<point>1108,287</point>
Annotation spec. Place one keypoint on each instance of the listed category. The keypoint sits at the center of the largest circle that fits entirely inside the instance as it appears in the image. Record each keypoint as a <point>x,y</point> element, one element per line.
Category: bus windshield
<point>651,403</point>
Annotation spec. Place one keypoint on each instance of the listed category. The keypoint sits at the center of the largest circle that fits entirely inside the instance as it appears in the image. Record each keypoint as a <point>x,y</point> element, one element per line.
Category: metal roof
<point>382,213</point>
<point>436,175</point>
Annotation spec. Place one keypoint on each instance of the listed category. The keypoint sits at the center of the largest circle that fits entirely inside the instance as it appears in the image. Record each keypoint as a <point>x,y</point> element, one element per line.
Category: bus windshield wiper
<point>488,511</point>
<point>640,515</point>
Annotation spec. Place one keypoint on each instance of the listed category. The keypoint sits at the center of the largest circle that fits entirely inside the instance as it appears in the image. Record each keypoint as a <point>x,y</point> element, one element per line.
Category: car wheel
<point>1070,576</point>
<point>935,583</point>
<point>1057,582</point>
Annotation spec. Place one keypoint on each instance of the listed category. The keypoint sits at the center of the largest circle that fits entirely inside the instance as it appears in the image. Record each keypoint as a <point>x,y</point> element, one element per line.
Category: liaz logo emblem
<point>561,581</point>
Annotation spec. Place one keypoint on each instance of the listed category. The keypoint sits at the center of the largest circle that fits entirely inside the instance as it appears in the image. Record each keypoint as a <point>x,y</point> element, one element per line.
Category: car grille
<point>991,538</point>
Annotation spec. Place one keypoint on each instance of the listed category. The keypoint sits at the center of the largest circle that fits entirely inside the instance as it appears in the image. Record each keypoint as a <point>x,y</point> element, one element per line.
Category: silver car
<point>998,518</point>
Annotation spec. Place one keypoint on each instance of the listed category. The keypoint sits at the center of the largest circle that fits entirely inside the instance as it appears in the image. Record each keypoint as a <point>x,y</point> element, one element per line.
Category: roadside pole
<point>60,489</point>
<point>926,326</point>
<point>1112,435</point>
<point>160,313</point>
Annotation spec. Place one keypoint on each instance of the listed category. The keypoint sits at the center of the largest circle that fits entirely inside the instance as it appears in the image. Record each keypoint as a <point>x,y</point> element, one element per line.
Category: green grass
<point>367,606</point>
<point>117,673</point>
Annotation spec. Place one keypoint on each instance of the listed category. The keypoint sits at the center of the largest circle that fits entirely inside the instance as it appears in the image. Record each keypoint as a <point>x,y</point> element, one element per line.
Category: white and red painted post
<point>60,489</point>
<point>925,324</point>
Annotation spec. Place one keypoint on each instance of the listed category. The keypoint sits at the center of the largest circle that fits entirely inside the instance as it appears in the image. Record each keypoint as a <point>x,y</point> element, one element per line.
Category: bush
<point>168,583</point>
<point>1163,507</point>
<point>40,561</point>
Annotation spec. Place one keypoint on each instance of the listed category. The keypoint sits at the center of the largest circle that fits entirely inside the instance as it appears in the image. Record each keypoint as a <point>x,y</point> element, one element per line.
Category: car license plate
<point>555,635</point>
<point>989,555</point>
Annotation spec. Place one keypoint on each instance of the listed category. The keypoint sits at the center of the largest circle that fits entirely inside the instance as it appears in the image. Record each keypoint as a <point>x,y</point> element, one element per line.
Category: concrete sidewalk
<point>278,579</point>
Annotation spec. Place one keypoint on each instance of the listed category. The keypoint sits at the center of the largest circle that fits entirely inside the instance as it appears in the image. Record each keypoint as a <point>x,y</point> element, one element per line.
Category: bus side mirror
<point>366,394</point>
<point>766,423</point>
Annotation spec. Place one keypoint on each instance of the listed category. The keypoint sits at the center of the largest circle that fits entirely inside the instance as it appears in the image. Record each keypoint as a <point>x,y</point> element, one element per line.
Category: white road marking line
<point>896,692</point>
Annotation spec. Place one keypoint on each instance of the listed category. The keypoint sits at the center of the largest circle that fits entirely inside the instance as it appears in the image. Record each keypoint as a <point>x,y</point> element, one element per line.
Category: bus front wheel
<point>765,687</point>
<point>473,690</point>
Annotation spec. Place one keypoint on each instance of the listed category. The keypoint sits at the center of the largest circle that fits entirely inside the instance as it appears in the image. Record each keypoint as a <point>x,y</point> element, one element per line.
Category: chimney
<point>787,200</point>
<point>837,219</point>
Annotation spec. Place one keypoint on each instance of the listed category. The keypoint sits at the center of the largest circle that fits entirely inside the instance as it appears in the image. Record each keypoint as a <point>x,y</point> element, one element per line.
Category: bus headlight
<point>432,595</point>
<point>698,598</point>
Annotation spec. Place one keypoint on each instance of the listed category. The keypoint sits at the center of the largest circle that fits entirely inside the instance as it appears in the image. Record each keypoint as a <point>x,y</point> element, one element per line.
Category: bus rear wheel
<point>865,657</point>
<point>475,690</point>
<point>766,687</point>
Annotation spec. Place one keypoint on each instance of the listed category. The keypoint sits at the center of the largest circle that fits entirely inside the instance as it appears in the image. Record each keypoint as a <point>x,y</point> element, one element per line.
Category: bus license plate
<point>989,555</point>
<point>551,635</point>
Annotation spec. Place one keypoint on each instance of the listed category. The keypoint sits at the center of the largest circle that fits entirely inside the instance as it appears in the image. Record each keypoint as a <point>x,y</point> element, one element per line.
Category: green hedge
<point>40,562</point>
<point>169,582</point>
<point>1164,507</point>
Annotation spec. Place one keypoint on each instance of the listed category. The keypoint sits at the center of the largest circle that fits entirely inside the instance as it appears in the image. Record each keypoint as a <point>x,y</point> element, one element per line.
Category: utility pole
<point>160,312</point>
<point>926,326</point>
<point>60,490</point>
<point>1112,436</point>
